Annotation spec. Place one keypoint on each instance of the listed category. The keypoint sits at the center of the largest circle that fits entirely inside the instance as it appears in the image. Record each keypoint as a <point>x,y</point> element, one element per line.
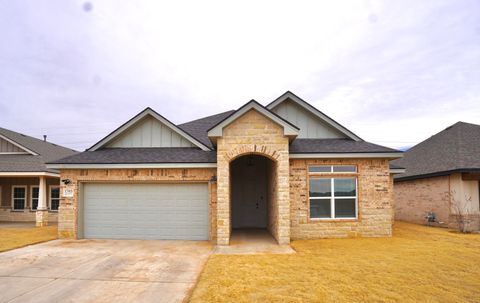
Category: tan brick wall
<point>415,198</point>
<point>253,133</point>
<point>375,201</point>
<point>68,218</point>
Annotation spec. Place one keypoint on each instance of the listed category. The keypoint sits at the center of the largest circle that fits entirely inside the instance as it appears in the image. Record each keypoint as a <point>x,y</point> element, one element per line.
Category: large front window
<point>332,197</point>
<point>19,197</point>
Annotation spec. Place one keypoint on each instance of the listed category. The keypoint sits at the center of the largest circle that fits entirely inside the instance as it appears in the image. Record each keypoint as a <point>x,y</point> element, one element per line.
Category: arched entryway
<point>253,195</point>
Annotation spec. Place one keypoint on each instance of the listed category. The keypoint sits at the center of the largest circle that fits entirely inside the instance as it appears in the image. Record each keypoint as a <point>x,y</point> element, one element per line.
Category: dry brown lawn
<point>418,264</point>
<point>11,238</point>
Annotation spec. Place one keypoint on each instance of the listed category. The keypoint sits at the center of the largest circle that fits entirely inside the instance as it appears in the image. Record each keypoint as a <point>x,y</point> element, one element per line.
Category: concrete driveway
<point>102,271</point>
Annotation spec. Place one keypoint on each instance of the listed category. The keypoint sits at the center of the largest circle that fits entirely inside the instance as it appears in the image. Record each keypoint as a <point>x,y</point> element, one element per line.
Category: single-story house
<point>285,167</point>
<point>29,191</point>
<point>442,178</point>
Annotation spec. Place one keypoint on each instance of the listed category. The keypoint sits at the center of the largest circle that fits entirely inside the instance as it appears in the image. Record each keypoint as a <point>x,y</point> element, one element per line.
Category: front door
<point>249,192</point>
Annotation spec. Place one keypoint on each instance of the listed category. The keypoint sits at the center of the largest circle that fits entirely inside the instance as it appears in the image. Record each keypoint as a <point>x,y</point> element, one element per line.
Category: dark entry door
<point>249,192</point>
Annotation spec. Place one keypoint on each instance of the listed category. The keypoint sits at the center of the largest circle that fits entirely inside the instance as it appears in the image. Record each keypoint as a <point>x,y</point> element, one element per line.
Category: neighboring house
<point>29,190</point>
<point>285,167</point>
<point>442,176</point>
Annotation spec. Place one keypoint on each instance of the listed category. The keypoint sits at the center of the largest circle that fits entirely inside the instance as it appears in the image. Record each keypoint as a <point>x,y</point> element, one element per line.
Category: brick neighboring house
<point>285,167</point>
<point>29,191</point>
<point>442,176</point>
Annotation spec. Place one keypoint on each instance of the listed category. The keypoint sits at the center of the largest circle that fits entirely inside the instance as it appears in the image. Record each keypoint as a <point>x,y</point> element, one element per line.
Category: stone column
<point>283,200</point>
<point>42,210</point>
<point>223,201</point>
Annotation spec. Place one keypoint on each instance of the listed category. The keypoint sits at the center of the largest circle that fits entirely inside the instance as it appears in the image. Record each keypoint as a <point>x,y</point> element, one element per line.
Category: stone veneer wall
<point>271,198</point>
<point>375,201</point>
<point>26,215</point>
<point>68,219</point>
<point>253,133</point>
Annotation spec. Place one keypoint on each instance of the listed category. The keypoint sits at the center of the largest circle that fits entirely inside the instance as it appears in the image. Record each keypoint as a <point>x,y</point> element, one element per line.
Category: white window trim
<point>50,197</point>
<point>31,196</point>
<point>331,169</point>
<point>25,199</point>
<point>332,198</point>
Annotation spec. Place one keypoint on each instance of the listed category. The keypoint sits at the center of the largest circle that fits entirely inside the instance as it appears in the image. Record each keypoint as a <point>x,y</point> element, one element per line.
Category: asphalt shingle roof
<point>198,128</point>
<point>336,146</point>
<point>29,163</point>
<point>457,148</point>
<point>141,155</point>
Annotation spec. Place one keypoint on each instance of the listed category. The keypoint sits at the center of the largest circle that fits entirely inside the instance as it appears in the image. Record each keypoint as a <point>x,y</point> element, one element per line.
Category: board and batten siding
<point>7,147</point>
<point>310,125</point>
<point>149,132</point>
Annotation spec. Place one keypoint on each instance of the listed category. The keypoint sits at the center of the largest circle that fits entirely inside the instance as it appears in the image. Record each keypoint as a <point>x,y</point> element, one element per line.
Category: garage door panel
<point>146,211</point>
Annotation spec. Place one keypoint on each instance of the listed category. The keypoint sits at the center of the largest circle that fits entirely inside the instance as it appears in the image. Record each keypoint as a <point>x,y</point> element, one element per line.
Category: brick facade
<point>68,210</point>
<point>253,133</point>
<point>375,207</point>
<point>415,198</point>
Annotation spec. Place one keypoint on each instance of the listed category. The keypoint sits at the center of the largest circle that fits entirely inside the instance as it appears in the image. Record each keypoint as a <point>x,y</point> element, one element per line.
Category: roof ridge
<point>207,117</point>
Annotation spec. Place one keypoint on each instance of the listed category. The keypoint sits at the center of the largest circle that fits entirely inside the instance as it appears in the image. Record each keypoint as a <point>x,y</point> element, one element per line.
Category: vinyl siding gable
<point>310,126</point>
<point>149,132</point>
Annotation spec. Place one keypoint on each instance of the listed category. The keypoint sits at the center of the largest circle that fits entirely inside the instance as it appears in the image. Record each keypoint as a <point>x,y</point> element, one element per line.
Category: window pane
<point>345,208</point>
<point>320,187</point>
<point>34,197</point>
<point>345,187</point>
<point>55,192</point>
<point>320,169</point>
<point>19,193</point>
<point>54,204</point>
<point>320,208</point>
<point>18,203</point>
<point>345,169</point>
<point>35,192</point>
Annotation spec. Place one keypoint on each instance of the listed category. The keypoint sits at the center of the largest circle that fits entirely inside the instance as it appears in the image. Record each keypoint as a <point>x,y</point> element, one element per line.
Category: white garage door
<point>145,211</point>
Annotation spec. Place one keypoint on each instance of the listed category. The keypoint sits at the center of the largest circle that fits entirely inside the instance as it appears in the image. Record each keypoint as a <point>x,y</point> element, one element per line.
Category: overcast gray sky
<point>393,72</point>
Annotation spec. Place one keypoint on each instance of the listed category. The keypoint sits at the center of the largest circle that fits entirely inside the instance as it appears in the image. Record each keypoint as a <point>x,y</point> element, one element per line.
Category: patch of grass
<point>11,238</point>
<point>418,264</point>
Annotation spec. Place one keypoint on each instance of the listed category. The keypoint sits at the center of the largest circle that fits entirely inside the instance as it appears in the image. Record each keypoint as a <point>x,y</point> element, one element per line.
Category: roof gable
<point>148,129</point>
<point>149,132</point>
<point>8,146</point>
<point>313,123</point>
<point>289,129</point>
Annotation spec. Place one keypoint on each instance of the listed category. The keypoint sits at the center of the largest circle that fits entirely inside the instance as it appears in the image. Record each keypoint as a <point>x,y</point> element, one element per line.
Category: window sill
<point>330,220</point>
<point>17,210</point>
<point>52,211</point>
